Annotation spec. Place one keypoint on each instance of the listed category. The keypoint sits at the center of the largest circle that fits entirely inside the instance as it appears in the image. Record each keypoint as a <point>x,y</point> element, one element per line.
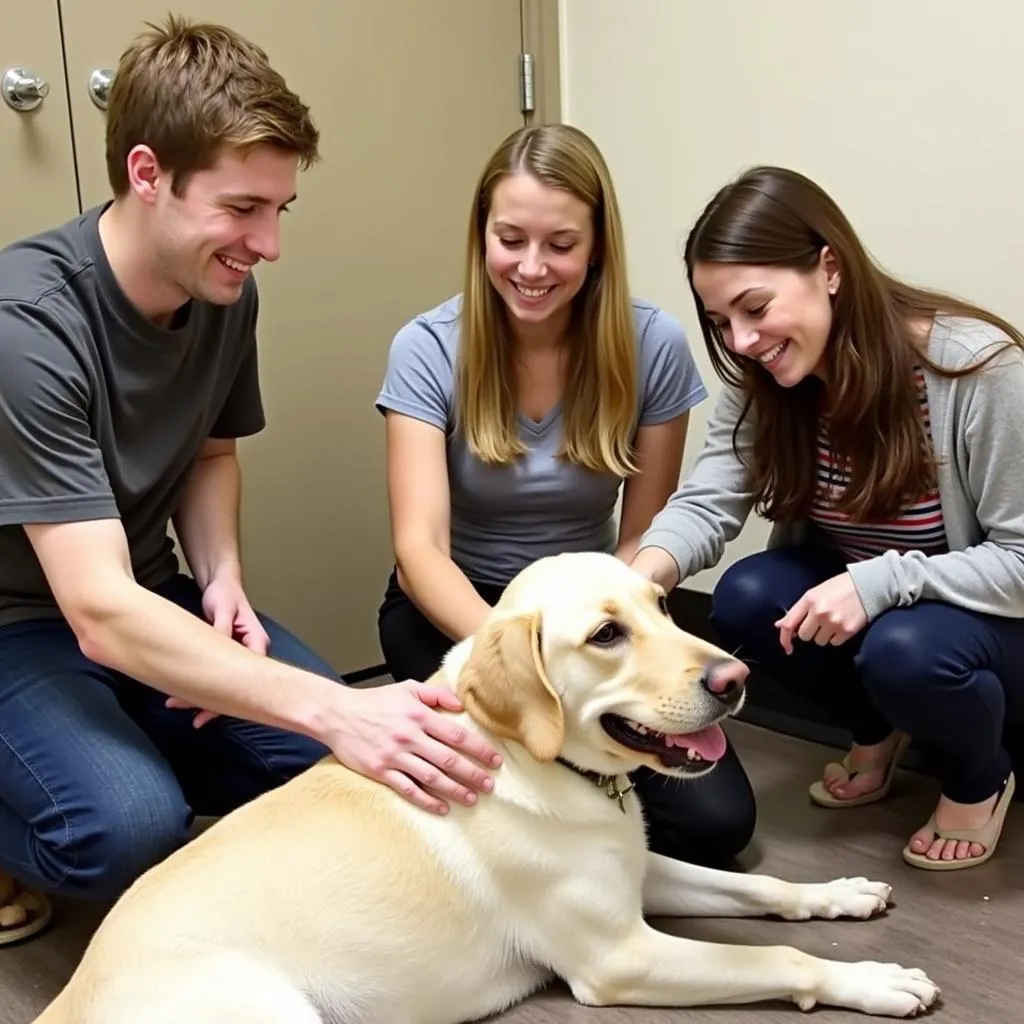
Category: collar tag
<point>616,792</point>
<point>609,783</point>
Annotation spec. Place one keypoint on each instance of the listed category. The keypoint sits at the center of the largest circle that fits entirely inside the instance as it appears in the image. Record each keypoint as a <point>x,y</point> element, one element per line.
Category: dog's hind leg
<point>676,889</point>
<point>220,990</point>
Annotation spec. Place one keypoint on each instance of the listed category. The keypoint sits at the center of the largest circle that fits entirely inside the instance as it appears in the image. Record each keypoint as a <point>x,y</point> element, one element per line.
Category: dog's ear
<point>504,687</point>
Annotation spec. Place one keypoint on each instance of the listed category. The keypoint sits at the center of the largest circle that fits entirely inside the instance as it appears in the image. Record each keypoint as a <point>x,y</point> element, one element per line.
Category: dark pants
<point>704,821</point>
<point>949,677</point>
<point>98,780</point>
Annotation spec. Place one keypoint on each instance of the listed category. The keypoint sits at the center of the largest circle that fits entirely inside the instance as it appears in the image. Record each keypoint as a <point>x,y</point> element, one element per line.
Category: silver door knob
<point>100,82</point>
<point>22,90</point>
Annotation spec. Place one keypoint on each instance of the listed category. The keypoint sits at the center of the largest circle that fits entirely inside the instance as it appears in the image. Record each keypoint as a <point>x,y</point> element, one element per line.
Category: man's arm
<point>207,519</point>
<point>55,487</point>
<point>126,627</point>
<point>387,733</point>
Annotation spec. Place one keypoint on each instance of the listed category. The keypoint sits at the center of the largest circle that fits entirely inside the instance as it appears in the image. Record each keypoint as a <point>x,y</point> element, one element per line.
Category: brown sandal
<point>23,912</point>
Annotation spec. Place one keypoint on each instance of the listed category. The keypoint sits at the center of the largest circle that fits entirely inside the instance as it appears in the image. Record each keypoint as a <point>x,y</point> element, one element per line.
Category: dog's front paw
<point>842,897</point>
<point>885,990</point>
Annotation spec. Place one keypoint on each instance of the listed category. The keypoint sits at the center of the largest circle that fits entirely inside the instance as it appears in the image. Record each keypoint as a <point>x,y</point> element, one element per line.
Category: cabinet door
<point>410,98</point>
<point>39,187</point>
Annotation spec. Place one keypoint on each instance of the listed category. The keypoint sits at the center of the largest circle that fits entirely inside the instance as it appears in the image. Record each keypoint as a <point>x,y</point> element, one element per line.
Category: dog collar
<point>611,785</point>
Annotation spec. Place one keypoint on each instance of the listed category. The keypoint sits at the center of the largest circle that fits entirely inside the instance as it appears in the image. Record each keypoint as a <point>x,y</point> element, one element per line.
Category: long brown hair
<point>600,403</point>
<point>771,216</point>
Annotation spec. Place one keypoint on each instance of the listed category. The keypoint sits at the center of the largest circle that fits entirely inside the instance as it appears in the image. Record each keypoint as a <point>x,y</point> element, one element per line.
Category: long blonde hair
<point>600,401</point>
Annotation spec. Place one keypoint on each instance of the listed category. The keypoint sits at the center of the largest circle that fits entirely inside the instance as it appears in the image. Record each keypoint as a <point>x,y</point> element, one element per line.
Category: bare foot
<point>953,816</point>
<point>870,763</point>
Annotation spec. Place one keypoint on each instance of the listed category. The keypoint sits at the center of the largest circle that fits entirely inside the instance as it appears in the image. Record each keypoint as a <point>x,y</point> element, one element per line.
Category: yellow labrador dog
<point>332,899</point>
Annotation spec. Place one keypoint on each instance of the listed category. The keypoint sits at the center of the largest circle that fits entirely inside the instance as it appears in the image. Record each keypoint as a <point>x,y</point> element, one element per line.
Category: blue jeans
<point>949,677</point>
<point>98,780</point>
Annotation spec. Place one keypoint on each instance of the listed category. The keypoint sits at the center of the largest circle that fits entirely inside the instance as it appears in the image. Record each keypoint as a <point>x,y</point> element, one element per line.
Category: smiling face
<point>779,317</point>
<point>537,247</point>
<point>205,242</point>
<point>582,659</point>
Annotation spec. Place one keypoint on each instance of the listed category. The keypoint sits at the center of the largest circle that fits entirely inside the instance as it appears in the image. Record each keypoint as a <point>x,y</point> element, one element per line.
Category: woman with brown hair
<point>518,413</point>
<point>879,427</point>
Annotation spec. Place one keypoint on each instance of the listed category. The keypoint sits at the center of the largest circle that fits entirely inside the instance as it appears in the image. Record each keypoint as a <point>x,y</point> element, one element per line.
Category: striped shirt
<point>918,527</point>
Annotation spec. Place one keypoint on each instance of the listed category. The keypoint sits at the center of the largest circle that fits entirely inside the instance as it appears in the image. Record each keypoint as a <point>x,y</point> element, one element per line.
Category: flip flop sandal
<point>987,836</point>
<point>23,913</point>
<point>820,795</point>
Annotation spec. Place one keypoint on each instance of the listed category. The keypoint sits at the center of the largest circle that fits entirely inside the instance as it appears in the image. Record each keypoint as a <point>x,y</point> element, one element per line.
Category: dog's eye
<point>608,634</point>
<point>663,604</point>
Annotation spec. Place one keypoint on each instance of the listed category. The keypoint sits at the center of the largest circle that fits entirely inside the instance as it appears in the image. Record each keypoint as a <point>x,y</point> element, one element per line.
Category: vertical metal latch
<point>526,83</point>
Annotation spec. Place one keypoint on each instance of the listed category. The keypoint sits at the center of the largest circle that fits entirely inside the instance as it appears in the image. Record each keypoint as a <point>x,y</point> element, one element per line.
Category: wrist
<point>627,549</point>
<point>225,570</point>
<point>658,565</point>
<point>318,707</point>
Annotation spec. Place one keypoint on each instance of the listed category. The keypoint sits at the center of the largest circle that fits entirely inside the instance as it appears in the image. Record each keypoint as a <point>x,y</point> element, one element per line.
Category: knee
<point>715,843</point>
<point>711,832</point>
<point>286,647</point>
<point>895,655</point>
<point>730,829</point>
<point>743,597</point>
<point>725,837</point>
<point>98,854</point>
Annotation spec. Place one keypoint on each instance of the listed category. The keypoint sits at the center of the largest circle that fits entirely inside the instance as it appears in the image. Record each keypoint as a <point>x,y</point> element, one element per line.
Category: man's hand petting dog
<point>396,734</point>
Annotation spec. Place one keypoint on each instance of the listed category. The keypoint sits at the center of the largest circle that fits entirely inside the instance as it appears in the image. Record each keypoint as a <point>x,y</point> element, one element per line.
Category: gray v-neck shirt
<point>504,517</point>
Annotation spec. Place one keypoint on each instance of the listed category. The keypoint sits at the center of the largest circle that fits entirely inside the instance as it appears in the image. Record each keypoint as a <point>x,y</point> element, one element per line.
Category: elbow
<point>94,623</point>
<point>403,559</point>
<point>409,552</point>
<point>95,639</point>
<point>95,643</point>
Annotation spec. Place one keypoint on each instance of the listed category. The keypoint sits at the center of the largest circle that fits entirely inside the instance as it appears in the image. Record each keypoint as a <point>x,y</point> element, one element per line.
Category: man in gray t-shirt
<point>128,370</point>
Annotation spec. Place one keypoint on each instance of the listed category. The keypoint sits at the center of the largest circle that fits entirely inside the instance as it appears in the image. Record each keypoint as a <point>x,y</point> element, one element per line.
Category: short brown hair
<point>189,90</point>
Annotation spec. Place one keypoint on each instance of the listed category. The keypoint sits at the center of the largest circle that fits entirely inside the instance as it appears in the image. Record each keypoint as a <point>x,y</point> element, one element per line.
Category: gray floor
<point>962,927</point>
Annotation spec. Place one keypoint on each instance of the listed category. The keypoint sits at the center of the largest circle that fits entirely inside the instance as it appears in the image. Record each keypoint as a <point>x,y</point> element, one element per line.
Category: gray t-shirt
<point>504,517</point>
<point>102,412</point>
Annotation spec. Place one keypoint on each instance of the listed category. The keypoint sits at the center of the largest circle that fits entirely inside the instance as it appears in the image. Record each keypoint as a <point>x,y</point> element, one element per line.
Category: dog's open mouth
<point>694,751</point>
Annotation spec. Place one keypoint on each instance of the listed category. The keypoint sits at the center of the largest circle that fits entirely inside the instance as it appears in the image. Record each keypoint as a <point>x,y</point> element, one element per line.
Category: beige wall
<point>908,112</point>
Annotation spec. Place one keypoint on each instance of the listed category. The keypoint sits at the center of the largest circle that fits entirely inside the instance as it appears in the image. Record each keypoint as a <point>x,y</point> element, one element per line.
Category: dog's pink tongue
<point>709,742</point>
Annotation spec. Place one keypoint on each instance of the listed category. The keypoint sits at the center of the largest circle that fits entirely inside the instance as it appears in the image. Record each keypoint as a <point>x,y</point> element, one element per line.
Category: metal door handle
<point>23,90</point>
<point>100,82</point>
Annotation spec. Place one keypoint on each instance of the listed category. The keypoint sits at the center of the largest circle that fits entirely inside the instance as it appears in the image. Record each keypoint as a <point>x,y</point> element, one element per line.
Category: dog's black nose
<point>725,680</point>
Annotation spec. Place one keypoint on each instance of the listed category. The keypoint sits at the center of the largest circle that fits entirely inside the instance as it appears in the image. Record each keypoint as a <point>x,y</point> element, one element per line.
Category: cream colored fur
<point>331,899</point>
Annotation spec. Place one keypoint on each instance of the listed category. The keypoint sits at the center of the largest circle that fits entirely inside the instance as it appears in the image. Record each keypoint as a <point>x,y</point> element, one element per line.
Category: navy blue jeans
<point>98,780</point>
<point>949,677</point>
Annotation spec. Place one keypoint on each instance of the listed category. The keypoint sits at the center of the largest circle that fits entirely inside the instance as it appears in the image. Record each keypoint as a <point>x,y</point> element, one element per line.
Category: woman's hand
<point>658,565</point>
<point>829,613</point>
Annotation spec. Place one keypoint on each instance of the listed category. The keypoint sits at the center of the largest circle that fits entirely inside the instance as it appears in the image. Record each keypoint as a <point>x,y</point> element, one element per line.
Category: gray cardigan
<point>977,425</point>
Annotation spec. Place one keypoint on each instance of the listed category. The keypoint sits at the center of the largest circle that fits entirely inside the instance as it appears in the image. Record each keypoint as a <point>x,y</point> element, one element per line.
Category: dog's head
<point>581,658</point>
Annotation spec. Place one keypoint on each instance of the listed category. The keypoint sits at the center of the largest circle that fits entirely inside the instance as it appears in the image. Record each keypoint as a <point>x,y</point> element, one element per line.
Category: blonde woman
<point>516,413</point>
